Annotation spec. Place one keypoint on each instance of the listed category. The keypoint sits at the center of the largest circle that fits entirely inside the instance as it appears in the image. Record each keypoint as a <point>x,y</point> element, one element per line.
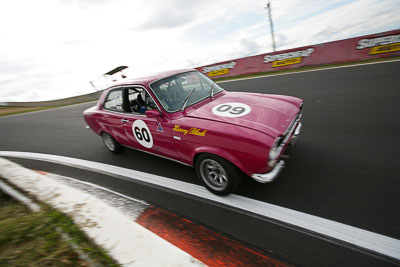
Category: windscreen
<point>173,91</point>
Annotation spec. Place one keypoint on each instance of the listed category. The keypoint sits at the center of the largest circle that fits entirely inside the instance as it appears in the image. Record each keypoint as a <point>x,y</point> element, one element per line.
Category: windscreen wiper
<point>187,99</point>
<point>212,91</point>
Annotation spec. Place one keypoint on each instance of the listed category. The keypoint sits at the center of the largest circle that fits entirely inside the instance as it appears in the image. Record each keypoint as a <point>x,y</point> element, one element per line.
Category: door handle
<point>124,121</point>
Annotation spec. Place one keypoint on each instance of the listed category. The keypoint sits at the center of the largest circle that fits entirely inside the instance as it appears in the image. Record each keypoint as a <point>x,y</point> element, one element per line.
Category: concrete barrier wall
<point>380,45</point>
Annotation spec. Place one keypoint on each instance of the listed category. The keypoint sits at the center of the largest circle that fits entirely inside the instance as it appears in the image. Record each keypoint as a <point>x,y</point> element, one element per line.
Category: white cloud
<point>52,49</point>
<point>350,19</point>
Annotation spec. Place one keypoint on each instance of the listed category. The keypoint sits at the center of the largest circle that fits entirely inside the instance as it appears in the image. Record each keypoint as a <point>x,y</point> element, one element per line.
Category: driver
<point>141,101</point>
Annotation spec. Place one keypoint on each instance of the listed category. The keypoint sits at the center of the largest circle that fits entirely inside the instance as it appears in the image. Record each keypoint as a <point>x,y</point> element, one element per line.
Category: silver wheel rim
<point>213,174</point>
<point>109,142</point>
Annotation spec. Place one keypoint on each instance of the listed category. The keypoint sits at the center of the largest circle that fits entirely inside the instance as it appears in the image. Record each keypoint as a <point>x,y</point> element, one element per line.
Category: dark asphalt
<point>343,168</point>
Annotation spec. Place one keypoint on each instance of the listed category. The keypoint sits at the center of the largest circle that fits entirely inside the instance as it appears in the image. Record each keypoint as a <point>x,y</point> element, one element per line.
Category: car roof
<point>151,78</point>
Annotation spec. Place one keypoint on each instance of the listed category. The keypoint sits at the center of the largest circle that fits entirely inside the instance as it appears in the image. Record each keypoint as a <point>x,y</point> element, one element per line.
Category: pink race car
<point>186,117</point>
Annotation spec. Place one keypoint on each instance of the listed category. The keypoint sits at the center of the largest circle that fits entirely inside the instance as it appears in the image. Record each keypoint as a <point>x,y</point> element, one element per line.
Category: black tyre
<point>217,174</point>
<point>111,144</point>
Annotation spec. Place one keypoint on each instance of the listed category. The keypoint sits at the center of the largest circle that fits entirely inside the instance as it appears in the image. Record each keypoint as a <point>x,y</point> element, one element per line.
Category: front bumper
<point>269,176</point>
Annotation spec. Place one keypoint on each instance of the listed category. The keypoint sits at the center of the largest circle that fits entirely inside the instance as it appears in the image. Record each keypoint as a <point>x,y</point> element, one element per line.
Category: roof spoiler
<point>117,69</point>
<point>105,79</point>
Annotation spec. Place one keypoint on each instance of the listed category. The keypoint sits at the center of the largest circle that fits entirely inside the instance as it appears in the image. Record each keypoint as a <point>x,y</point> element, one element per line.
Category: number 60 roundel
<point>142,133</point>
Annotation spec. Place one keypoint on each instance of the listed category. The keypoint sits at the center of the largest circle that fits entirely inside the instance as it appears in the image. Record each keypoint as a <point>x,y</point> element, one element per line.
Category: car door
<point>152,135</point>
<point>112,114</point>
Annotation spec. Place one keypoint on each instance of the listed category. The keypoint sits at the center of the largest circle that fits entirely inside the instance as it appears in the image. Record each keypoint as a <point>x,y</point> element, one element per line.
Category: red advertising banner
<point>380,45</point>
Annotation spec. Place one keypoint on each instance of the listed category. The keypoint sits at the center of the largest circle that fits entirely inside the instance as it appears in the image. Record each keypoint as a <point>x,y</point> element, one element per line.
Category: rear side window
<point>114,101</point>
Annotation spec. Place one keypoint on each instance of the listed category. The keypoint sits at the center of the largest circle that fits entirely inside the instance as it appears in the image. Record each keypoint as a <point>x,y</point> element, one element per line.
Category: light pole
<point>268,7</point>
<point>92,84</point>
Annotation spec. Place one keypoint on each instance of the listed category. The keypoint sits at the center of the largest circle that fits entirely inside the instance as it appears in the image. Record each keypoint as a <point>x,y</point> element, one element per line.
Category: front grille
<point>285,138</point>
<point>295,120</point>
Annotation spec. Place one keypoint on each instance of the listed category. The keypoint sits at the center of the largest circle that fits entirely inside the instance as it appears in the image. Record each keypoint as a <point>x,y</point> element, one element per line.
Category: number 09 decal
<point>142,133</point>
<point>231,110</point>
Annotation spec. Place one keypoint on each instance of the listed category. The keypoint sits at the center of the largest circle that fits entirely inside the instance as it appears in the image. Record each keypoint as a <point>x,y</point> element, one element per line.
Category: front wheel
<point>111,144</point>
<point>217,174</point>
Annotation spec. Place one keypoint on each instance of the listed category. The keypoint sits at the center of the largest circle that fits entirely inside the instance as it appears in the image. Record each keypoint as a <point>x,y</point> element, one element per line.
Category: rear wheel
<point>217,174</point>
<point>111,144</point>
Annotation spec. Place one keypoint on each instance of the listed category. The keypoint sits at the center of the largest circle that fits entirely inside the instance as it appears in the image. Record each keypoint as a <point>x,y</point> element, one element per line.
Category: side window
<point>114,101</point>
<point>150,104</point>
<point>140,100</point>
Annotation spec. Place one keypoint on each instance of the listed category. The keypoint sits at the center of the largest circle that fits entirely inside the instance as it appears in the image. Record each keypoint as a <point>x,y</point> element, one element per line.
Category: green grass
<point>13,110</point>
<point>30,239</point>
<point>304,69</point>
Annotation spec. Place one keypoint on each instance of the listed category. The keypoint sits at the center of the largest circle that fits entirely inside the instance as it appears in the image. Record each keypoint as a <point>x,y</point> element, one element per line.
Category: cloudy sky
<point>51,49</point>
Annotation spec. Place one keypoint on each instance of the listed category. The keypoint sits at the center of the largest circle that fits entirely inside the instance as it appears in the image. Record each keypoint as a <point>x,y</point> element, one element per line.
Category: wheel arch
<point>101,131</point>
<point>218,152</point>
<point>104,130</point>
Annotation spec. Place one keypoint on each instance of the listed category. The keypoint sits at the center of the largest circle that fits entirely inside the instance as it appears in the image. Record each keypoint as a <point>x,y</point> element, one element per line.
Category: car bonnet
<point>270,114</point>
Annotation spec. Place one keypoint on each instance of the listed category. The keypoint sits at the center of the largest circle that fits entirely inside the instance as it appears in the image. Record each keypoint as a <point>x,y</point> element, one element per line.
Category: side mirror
<point>152,113</point>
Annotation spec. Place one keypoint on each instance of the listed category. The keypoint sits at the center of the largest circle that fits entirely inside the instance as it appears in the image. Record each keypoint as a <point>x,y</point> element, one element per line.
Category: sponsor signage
<point>285,62</point>
<point>380,45</point>
<point>384,49</point>
<point>288,58</point>
<point>218,72</point>
<point>220,69</point>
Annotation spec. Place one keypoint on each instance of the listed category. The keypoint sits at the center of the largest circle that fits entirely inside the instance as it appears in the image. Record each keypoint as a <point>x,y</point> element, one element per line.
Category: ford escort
<point>186,117</point>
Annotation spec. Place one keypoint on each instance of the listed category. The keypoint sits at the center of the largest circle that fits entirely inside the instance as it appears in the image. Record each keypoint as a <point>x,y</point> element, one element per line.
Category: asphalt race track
<point>345,166</point>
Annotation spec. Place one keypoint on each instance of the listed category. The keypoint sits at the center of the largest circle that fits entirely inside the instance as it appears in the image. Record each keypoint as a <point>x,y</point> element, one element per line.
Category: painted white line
<point>128,242</point>
<point>129,206</point>
<point>361,238</point>
<point>18,196</point>
<point>305,71</point>
<point>51,175</point>
<point>76,247</point>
